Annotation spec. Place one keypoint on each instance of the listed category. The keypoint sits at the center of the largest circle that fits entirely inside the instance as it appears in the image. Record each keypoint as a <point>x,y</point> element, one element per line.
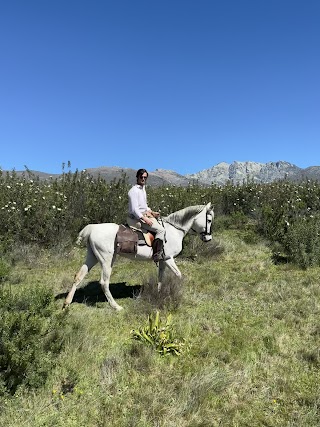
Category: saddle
<point>128,238</point>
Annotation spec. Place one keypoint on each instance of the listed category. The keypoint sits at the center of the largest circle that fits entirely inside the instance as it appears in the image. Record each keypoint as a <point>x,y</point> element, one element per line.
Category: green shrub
<point>159,336</point>
<point>46,211</point>
<point>31,337</point>
<point>302,242</point>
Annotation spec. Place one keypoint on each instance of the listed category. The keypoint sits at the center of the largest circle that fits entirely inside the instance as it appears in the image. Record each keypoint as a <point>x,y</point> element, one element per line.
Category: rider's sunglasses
<point>143,177</point>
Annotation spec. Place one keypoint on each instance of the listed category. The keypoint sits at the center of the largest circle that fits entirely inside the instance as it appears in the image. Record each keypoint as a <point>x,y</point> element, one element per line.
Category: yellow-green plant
<point>159,336</point>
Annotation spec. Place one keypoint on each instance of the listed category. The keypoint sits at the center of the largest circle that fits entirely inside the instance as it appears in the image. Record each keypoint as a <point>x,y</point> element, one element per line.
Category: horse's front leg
<point>161,270</point>
<point>170,263</point>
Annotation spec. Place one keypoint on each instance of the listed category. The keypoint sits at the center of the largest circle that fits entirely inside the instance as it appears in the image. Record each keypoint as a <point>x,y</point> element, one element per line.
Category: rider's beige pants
<point>155,228</point>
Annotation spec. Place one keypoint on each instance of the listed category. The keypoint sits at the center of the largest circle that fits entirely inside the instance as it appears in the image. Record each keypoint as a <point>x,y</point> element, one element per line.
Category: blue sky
<point>170,84</point>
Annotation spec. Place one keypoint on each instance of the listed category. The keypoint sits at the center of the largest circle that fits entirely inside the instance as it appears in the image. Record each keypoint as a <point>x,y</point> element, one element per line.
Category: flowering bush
<point>48,211</point>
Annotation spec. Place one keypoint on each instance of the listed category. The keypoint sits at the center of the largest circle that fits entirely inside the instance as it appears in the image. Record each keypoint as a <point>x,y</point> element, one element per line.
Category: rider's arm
<point>133,203</point>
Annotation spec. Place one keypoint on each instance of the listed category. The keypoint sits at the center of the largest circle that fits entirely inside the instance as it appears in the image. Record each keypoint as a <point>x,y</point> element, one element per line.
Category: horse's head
<point>202,223</point>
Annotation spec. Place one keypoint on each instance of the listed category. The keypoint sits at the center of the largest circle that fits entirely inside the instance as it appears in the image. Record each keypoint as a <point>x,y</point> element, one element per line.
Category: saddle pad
<point>126,240</point>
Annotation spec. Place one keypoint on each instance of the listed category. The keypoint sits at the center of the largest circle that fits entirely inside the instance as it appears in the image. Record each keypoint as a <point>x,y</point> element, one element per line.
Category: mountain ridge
<point>219,174</point>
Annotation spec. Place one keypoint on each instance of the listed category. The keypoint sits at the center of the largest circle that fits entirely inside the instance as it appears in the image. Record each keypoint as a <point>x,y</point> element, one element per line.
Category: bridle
<point>207,231</point>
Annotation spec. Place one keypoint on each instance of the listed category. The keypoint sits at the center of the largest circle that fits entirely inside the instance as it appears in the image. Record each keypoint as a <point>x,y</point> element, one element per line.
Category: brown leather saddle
<point>129,238</point>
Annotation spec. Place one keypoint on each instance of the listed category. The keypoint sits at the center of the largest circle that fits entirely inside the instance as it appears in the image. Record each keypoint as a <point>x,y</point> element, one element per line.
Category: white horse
<point>101,244</point>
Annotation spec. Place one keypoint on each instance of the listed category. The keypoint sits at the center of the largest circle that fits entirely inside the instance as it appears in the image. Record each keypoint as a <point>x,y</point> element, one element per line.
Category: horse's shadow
<point>92,293</point>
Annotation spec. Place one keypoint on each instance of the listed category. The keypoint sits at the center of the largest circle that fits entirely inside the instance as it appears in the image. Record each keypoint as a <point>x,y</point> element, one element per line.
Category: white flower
<point>8,186</point>
<point>53,207</point>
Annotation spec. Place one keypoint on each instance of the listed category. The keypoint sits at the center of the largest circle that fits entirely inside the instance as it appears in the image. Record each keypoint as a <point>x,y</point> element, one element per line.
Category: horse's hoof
<point>65,306</point>
<point>119,308</point>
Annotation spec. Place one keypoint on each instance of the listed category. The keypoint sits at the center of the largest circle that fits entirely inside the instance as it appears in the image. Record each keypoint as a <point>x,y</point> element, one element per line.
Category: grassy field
<point>251,355</point>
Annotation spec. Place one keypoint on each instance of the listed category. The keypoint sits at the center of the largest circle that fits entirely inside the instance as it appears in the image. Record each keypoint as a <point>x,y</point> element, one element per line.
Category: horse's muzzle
<point>206,237</point>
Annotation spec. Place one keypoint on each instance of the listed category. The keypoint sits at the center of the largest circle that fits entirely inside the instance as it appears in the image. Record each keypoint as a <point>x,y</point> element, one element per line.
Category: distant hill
<point>220,174</point>
<point>157,178</point>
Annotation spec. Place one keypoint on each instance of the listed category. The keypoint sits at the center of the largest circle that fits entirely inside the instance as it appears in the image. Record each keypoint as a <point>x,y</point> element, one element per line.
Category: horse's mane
<point>183,216</point>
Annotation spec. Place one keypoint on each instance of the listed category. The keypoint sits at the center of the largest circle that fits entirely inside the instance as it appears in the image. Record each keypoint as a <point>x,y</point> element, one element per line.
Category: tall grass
<point>250,327</point>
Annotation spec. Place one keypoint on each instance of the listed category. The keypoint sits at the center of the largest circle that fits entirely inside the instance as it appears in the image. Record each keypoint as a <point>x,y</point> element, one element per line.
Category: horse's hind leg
<point>105,280</point>
<point>91,260</point>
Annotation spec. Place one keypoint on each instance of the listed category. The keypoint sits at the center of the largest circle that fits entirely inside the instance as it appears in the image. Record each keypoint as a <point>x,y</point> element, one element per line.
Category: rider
<point>142,216</point>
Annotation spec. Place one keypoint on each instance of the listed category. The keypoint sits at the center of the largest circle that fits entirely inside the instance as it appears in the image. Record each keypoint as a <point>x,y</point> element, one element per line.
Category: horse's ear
<point>208,206</point>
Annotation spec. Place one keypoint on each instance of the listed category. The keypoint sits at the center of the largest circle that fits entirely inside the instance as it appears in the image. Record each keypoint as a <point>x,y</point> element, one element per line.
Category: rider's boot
<point>157,247</point>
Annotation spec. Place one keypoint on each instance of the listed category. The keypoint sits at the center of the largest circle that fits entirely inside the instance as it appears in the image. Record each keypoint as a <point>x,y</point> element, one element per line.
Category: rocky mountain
<point>220,174</point>
<point>240,172</point>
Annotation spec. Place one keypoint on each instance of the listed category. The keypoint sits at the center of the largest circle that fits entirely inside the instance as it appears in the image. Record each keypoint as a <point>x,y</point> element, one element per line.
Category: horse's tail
<point>83,235</point>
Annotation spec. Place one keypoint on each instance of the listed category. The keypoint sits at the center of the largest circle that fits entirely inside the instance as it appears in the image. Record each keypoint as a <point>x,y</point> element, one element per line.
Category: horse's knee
<point>76,277</point>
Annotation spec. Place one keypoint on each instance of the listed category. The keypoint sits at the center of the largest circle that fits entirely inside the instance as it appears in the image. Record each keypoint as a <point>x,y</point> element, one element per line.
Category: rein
<point>174,225</point>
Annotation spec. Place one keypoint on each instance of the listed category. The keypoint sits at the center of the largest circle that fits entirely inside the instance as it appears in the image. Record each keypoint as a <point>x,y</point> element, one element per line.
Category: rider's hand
<point>147,220</point>
<point>155,214</point>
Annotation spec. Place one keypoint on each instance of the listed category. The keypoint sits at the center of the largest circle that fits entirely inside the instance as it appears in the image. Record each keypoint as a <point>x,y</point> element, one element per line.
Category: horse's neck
<point>170,226</point>
<point>183,219</point>
<point>186,223</point>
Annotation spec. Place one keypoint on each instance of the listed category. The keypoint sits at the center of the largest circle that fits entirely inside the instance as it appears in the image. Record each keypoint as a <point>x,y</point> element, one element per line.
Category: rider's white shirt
<point>138,201</point>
